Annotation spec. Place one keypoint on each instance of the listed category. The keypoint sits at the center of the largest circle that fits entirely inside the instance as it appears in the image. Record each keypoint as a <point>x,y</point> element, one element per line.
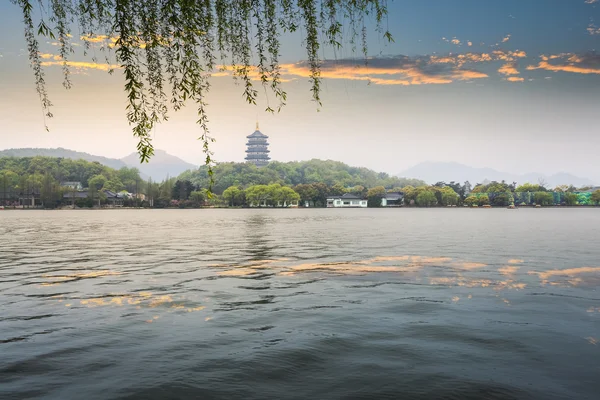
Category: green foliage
<point>450,198</point>
<point>543,198</point>
<point>168,48</point>
<point>426,199</point>
<point>530,187</point>
<point>330,173</point>
<point>483,200</point>
<point>494,187</point>
<point>270,195</point>
<point>234,196</point>
<point>502,199</point>
<point>374,196</point>
<point>570,199</point>
<point>97,182</point>
<point>182,190</point>
<point>595,197</point>
<point>472,201</point>
<point>114,185</point>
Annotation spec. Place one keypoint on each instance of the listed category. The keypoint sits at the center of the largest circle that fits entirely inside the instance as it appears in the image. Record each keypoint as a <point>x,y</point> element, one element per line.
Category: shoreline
<point>289,208</point>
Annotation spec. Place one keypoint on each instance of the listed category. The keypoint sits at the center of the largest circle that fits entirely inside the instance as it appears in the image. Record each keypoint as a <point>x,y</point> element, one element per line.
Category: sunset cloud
<point>567,62</point>
<point>454,40</point>
<point>506,39</point>
<point>399,70</point>
<point>515,79</point>
<point>591,1</point>
<point>49,56</point>
<point>82,65</point>
<point>98,38</point>
<point>462,59</point>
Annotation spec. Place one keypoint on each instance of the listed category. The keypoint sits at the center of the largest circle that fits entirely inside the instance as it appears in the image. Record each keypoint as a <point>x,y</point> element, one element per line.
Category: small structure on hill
<point>348,200</point>
<point>257,148</point>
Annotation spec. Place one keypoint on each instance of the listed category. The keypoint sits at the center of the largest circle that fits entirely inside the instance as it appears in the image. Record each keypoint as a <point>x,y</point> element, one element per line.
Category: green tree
<point>471,201</point>
<point>595,198</point>
<point>530,187</point>
<point>570,199</point>
<point>483,200</point>
<point>544,198</point>
<point>374,196</point>
<point>97,182</point>
<point>288,196</point>
<point>234,196</point>
<point>450,197</point>
<point>426,199</point>
<point>257,195</point>
<point>114,185</point>
<point>410,195</point>
<point>197,197</point>
<point>503,199</point>
<point>307,192</point>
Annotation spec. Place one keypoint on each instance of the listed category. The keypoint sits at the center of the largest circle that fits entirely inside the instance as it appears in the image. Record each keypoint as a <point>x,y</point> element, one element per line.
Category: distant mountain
<point>160,166</point>
<point>63,153</point>
<point>432,172</point>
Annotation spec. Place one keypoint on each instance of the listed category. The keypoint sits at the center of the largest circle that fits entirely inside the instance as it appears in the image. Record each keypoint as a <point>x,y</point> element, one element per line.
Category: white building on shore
<point>348,200</point>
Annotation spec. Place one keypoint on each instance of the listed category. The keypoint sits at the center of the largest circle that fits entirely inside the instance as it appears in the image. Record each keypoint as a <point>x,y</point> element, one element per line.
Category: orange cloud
<point>408,72</point>
<point>515,79</point>
<point>82,65</point>
<point>48,56</point>
<point>98,38</point>
<point>399,70</point>
<point>461,59</point>
<point>576,64</point>
<point>508,69</point>
<point>506,39</point>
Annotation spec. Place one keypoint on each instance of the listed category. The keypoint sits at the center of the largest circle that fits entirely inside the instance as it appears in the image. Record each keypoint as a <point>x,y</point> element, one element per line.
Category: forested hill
<point>161,165</point>
<point>294,173</point>
<point>63,153</point>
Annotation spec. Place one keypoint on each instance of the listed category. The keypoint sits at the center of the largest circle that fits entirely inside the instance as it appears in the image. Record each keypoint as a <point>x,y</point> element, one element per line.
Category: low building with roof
<point>348,200</point>
<point>394,199</point>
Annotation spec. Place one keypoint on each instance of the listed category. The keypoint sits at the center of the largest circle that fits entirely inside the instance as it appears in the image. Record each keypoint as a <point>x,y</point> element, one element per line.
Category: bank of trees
<point>48,178</point>
<point>332,174</point>
<point>526,194</point>
<point>278,184</point>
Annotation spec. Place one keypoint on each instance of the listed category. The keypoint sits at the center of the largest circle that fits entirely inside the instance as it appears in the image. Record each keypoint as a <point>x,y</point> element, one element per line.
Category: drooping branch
<point>167,49</point>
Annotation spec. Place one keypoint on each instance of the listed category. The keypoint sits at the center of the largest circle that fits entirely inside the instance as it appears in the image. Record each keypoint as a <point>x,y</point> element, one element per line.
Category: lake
<point>300,304</point>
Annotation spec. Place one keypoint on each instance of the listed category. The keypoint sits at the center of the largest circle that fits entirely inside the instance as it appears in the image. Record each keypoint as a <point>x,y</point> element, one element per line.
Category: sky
<point>506,84</point>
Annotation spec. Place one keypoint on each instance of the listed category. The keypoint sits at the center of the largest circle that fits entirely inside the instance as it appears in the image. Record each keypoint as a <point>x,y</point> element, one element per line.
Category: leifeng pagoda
<point>257,151</point>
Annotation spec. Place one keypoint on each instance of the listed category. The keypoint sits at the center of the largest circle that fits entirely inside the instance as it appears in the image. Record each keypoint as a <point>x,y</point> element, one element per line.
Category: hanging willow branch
<point>168,48</point>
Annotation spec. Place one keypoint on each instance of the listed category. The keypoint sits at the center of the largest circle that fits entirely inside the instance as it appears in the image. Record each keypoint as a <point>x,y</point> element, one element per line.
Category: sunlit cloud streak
<point>82,65</point>
<point>567,62</point>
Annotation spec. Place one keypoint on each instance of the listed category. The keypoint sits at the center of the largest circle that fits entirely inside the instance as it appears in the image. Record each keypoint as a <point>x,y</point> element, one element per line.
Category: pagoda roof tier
<point>258,150</point>
<point>257,134</point>
<point>257,157</point>
<point>265,143</point>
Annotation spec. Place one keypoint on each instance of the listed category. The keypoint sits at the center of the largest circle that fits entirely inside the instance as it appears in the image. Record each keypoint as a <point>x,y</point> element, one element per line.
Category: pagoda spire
<point>257,125</point>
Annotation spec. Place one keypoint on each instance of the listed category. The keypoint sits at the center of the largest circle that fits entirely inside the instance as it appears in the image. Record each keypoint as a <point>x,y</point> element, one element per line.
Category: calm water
<point>300,304</point>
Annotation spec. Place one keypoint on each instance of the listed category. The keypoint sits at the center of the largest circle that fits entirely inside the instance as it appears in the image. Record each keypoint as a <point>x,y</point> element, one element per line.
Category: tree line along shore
<point>47,182</point>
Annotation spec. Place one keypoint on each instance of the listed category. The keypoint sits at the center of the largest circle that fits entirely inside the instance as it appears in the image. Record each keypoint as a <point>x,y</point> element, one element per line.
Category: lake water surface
<point>300,304</point>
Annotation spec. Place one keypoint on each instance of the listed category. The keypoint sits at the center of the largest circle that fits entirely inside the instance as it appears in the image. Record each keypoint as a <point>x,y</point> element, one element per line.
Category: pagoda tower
<point>257,151</point>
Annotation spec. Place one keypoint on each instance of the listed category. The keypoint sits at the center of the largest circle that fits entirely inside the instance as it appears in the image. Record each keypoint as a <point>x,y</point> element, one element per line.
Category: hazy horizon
<point>526,100</point>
